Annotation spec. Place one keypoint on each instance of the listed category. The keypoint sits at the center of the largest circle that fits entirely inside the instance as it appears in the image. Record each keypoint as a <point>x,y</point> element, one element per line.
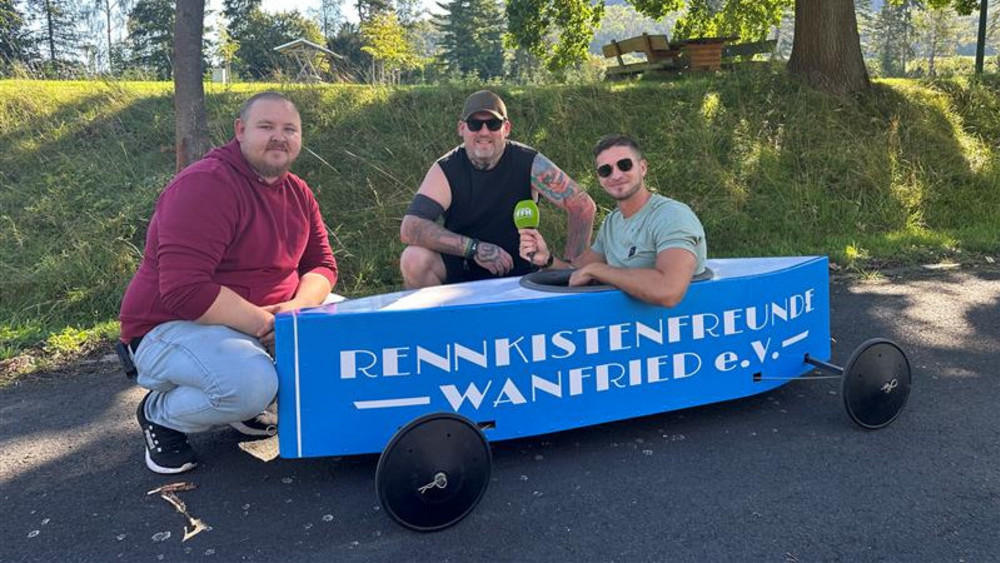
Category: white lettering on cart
<point>389,403</point>
<point>508,350</point>
<point>349,363</point>
<point>577,380</point>
<point>760,348</point>
<point>510,394</point>
<point>472,393</point>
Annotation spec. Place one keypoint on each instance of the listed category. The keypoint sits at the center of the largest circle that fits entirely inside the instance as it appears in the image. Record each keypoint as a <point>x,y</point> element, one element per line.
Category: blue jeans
<point>203,375</point>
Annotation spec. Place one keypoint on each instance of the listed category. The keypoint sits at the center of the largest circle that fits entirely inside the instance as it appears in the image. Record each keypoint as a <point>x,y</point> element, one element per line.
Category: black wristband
<point>548,263</point>
<point>470,253</point>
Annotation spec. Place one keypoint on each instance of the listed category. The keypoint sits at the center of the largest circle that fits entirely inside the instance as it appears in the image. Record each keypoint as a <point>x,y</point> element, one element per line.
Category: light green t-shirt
<point>660,224</point>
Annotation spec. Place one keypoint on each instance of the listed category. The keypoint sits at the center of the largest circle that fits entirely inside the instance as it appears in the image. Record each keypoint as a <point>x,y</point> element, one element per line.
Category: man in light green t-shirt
<point>649,247</point>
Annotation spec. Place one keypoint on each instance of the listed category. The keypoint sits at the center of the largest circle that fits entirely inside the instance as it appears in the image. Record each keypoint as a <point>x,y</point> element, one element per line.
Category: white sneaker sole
<point>168,470</point>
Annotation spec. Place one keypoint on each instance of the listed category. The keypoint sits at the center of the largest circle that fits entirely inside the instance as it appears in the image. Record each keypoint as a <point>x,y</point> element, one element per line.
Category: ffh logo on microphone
<point>524,213</point>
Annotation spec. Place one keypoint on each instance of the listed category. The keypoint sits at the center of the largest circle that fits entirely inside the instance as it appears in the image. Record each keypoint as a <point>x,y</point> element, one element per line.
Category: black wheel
<point>434,471</point>
<point>876,383</point>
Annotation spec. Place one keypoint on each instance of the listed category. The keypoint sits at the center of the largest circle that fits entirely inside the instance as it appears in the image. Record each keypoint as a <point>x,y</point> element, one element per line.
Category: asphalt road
<point>783,476</point>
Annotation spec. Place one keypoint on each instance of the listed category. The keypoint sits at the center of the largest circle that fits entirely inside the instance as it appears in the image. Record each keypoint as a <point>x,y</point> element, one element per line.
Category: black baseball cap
<point>487,101</point>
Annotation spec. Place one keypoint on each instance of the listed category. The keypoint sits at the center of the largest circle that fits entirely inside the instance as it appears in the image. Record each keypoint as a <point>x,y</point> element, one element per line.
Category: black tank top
<point>483,201</point>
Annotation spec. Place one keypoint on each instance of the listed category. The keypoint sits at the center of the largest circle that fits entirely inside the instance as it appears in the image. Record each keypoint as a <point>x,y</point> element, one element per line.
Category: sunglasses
<point>605,170</point>
<point>493,124</point>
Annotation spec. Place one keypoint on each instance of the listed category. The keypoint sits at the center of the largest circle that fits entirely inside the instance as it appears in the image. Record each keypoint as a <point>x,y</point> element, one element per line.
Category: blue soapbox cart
<point>429,377</point>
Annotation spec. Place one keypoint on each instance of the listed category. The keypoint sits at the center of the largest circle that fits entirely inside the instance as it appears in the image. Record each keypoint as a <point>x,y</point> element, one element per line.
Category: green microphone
<point>526,217</point>
<point>526,214</point>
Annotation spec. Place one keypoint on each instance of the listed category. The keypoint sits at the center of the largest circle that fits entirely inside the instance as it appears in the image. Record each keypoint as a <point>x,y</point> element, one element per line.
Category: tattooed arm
<point>557,187</point>
<point>418,231</point>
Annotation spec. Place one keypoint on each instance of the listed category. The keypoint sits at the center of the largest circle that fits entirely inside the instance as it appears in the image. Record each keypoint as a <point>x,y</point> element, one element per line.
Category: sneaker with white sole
<point>167,450</point>
<point>264,424</point>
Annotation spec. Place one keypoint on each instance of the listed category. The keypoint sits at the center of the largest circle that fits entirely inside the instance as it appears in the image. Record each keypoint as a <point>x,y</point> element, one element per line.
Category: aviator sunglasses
<point>605,170</point>
<point>493,124</point>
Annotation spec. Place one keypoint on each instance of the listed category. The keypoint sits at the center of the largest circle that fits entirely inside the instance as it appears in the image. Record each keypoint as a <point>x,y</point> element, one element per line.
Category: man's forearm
<point>580,225</point>
<point>428,234</point>
<point>313,290</point>
<point>229,309</point>
<point>646,284</point>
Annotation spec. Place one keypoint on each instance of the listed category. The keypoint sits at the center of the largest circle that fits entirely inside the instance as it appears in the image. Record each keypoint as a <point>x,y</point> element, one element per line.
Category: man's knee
<point>252,391</point>
<point>421,267</point>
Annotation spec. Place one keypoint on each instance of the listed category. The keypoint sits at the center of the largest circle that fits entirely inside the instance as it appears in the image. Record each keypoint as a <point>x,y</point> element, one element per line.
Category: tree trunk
<point>107,12</point>
<point>931,71</point>
<point>826,49</point>
<point>981,37</point>
<point>190,129</point>
<point>52,31</point>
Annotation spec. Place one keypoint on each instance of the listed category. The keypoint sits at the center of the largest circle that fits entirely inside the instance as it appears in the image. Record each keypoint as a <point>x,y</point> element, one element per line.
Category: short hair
<point>265,95</point>
<point>609,141</point>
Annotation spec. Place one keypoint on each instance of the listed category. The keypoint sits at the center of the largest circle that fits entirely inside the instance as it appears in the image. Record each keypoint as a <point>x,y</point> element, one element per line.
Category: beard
<point>266,169</point>
<point>631,191</point>
<point>484,158</point>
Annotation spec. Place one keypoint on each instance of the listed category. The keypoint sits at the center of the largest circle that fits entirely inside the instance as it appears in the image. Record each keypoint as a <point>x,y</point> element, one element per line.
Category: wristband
<point>471,249</point>
<point>548,263</point>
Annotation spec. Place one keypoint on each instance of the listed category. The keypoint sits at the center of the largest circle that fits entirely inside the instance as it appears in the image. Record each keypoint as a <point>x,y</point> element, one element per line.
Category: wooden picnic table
<point>705,53</point>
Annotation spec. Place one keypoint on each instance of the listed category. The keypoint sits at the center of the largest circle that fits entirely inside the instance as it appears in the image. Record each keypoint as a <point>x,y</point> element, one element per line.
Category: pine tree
<point>59,28</point>
<point>16,43</point>
<point>472,37</point>
<point>892,31</point>
<point>151,36</point>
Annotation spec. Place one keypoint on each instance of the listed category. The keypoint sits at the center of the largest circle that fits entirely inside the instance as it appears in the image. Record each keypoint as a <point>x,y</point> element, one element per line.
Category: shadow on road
<point>783,475</point>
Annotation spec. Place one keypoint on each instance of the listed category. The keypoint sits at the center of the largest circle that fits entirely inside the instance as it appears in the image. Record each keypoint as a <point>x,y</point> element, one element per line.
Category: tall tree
<point>190,127</point>
<point>387,41</point>
<point>472,37</point>
<point>262,32</point>
<point>151,37</point>
<point>16,43</point>
<point>59,29</point>
<point>937,34</point>
<point>111,11</point>
<point>367,9</point>
<point>826,49</point>
<point>329,16</point>
<point>750,21</point>
<point>892,32</point>
<point>238,13</point>
<point>531,22</point>
<point>348,43</point>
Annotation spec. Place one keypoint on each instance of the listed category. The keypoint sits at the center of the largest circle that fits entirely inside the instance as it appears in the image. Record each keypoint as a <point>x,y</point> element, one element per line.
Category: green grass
<point>905,174</point>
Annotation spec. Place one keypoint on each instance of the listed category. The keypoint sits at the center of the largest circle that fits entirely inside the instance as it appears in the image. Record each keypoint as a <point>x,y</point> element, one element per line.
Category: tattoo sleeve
<point>556,186</point>
<point>428,234</point>
<point>550,181</point>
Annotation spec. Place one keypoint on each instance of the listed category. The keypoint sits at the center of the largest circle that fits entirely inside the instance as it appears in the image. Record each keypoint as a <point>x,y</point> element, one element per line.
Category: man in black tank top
<point>475,187</point>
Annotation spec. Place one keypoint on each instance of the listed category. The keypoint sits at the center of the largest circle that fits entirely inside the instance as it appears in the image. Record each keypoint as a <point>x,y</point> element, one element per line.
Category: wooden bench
<point>660,55</point>
<point>704,53</point>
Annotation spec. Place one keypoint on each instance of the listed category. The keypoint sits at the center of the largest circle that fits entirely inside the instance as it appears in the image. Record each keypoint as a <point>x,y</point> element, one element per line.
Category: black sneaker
<point>264,424</point>
<point>167,450</point>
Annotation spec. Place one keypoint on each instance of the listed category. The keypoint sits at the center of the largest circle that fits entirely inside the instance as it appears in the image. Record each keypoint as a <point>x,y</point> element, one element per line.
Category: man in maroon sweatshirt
<point>234,240</point>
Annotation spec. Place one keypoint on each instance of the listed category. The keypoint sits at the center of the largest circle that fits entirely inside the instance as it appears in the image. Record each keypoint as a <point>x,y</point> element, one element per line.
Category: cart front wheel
<point>434,472</point>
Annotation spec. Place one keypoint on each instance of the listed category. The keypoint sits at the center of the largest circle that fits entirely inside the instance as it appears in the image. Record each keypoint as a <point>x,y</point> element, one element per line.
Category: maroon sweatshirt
<point>218,223</point>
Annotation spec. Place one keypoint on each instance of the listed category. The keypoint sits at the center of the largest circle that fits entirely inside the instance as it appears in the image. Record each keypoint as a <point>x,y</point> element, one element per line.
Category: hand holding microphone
<point>526,220</point>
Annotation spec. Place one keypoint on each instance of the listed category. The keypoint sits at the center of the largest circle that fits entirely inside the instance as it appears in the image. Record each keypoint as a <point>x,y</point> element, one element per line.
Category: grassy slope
<point>906,173</point>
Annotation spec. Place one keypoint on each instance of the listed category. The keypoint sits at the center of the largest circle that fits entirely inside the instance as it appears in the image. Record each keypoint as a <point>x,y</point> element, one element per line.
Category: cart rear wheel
<point>876,383</point>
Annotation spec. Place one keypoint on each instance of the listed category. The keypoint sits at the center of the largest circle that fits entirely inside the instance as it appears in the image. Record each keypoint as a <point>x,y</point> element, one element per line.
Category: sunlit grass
<point>907,174</point>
